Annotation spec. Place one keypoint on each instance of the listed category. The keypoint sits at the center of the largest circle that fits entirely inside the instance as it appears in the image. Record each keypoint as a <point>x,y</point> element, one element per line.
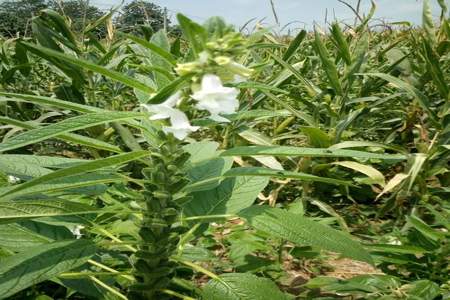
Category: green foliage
<point>337,158</point>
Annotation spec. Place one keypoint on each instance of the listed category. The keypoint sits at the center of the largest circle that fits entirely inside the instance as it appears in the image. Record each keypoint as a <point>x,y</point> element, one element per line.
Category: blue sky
<point>303,12</point>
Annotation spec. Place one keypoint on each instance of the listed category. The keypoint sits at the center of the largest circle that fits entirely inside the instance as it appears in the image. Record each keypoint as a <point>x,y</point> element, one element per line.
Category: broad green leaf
<point>41,160</point>
<point>41,263</point>
<point>201,151</point>
<point>303,231</point>
<point>209,172</point>
<point>65,126</point>
<point>19,210</point>
<point>307,152</point>
<point>422,290</point>
<point>78,169</point>
<point>231,196</point>
<point>266,172</point>
<point>376,176</point>
<point>114,75</point>
<point>17,238</point>
<point>242,286</point>
<point>19,168</point>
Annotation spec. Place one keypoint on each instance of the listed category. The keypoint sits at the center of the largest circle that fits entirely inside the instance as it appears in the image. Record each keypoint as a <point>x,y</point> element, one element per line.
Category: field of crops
<point>212,164</point>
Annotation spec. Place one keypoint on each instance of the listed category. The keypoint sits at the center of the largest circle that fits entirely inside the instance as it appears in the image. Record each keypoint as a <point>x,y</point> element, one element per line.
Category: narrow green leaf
<point>266,172</point>
<point>79,169</point>
<point>167,56</point>
<point>341,43</point>
<point>69,137</point>
<point>114,75</point>
<point>328,64</point>
<point>168,90</point>
<point>293,46</point>
<point>371,172</point>
<point>425,229</point>
<point>48,101</point>
<point>307,152</point>
<point>65,126</point>
<point>418,95</point>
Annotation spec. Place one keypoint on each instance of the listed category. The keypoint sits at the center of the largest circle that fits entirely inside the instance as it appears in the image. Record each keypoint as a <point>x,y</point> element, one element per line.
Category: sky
<point>303,13</point>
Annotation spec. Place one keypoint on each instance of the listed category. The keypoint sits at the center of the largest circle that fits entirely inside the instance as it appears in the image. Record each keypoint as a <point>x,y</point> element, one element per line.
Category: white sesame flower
<point>215,98</point>
<point>76,231</point>
<point>180,126</point>
<point>13,179</point>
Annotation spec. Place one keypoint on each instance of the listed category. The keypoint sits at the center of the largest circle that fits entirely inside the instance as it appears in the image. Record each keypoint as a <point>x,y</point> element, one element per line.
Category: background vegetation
<point>330,182</point>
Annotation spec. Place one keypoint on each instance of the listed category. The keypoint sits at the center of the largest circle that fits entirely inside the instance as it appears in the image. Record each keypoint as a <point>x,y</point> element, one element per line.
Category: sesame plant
<point>223,165</point>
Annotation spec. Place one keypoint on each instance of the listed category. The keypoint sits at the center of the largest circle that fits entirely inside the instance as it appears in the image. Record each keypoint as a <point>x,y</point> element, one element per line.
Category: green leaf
<point>152,47</point>
<point>242,286</point>
<point>231,196</point>
<point>266,172</point>
<point>428,23</point>
<point>114,75</point>
<point>193,32</point>
<point>402,249</point>
<point>396,180</point>
<point>48,101</point>
<point>41,263</point>
<point>17,238</point>
<point>29,209</point>
<point>293,46</point>
<point>168,90</point>
<point>77,184</point>
<point>69,137</point>
<point>422,290</point>
<point>307,152</point>
<point>376,176</point>
<point>65,126</point>
<point>207,174</point>
<point>341,43</point>
<point>414,92</point>
<point>78,169</point>
<point>41,161</point>
<point>17,167</point>
<point>303,231</point>
<point>328,64</point>
<point>424,228</point>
